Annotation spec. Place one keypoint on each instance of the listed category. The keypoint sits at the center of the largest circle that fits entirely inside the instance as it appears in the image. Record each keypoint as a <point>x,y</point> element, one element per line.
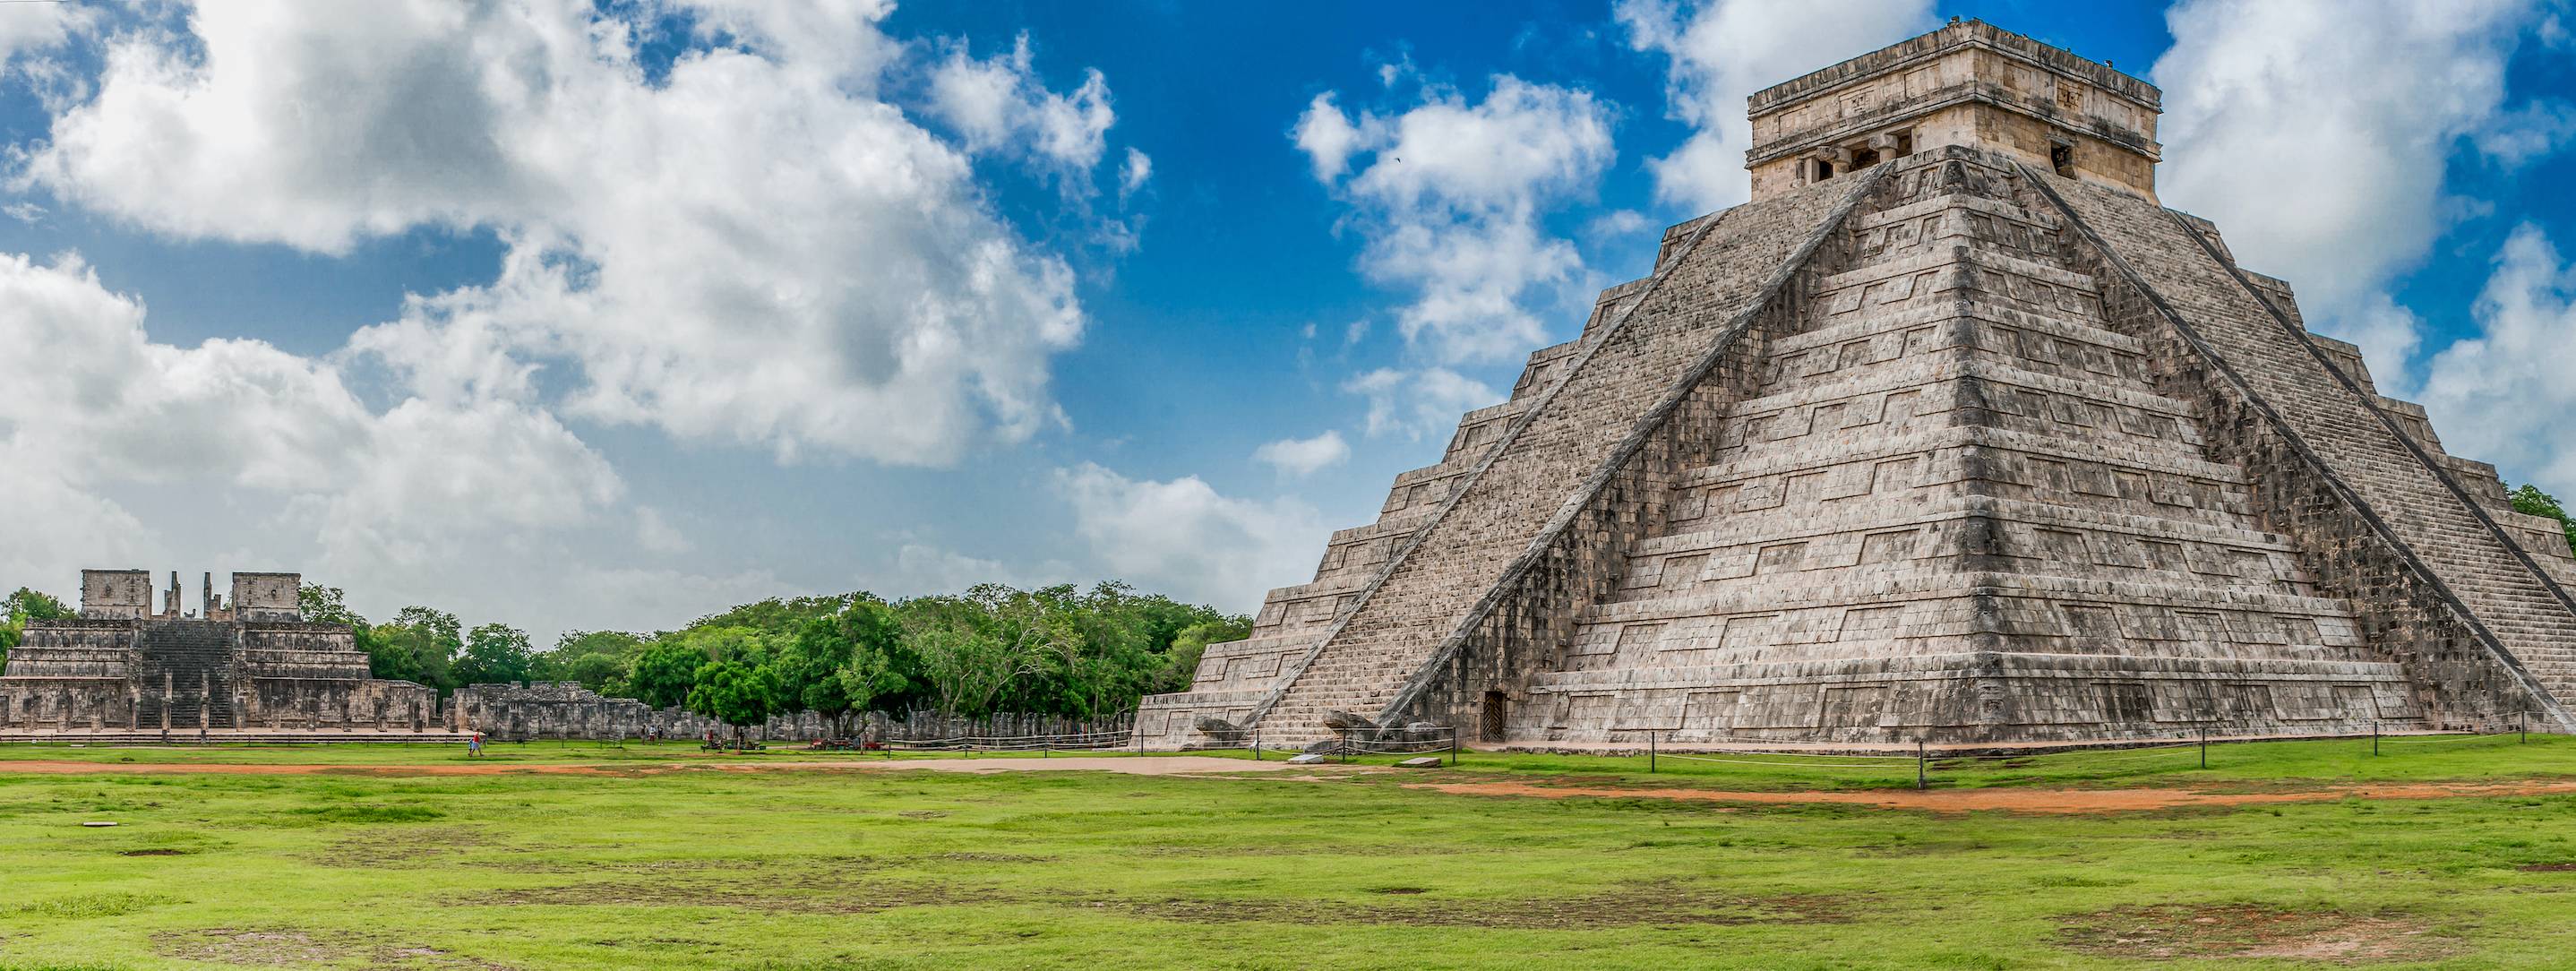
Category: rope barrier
<point>1794,765</point>
<point>2470,737</point>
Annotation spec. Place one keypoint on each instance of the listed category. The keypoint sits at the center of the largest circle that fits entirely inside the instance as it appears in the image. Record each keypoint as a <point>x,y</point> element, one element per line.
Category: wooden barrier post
<point>2204,746</point>
<point>2374,736</point>
<point>1650,753</point>
<point>1922,771</point>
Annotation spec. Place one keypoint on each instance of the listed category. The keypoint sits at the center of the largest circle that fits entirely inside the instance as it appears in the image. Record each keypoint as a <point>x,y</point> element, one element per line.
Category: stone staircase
<point>2416,500</point>
<point>1711,277</point>
<point>194,659</point>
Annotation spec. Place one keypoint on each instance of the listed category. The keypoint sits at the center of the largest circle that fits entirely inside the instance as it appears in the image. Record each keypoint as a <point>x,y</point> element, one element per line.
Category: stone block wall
<point>2481,634</point>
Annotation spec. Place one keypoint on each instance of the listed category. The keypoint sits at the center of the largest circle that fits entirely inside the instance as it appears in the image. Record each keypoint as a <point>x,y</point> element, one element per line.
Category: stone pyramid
<point>1953,434</point>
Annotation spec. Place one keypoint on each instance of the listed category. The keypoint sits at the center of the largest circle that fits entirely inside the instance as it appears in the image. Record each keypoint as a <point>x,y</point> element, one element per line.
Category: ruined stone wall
<point>338,703</point>
<point>267,596</point>
<point>566,710</point>
<point>116,594</point>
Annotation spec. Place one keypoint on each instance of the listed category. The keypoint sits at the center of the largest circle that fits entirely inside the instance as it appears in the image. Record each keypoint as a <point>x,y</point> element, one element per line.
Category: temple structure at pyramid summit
<point>1952,434</point>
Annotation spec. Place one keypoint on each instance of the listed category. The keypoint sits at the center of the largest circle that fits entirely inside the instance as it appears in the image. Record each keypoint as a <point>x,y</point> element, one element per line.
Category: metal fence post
<point>1922,770</point>
<point>2204,746</point>
<point>1650,753</point>
<point>2374,736</point>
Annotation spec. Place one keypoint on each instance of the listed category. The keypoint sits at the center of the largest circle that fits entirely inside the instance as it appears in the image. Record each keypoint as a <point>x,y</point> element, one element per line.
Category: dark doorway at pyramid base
<point>1966,699</point>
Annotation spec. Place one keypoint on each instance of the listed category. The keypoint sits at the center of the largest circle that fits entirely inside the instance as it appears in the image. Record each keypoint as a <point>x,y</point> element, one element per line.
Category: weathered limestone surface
<point>252,664</point>
<point>1971,442</point>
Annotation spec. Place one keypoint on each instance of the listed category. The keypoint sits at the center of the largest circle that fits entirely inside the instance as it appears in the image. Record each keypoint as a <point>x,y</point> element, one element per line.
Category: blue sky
<point>575,317</point>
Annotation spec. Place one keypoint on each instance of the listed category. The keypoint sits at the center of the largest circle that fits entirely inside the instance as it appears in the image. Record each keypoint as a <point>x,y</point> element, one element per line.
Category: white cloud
<point>1616,223</point>
<point>1183,537</point>
<point>999,104</point>
<point>468,498</point>
<point>746,245</point>
<point>1305,456</point>
<point>1723,51</point>
<point>2504,395</point>
<point>2320,147</point>
<point>1419,402</point>
<point>921,568</point>
<point>1327,137</point>
<point>1451,200</point>
<point>752,248</point>
<point>41,26</point>
<point>25,212</point>
<point>1132,175</point>
<point>2528,132</point>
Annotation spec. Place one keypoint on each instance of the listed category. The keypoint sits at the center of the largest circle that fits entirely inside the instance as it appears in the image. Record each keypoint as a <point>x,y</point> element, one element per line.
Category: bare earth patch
<point>1642,904</point>
<point>2178,931</point>
<point>838,894</point>
<point>1123,765</point>
<point>236,946</point>
<point>407,848</point>
<point>2016,799</point>
<point>2549,868</point>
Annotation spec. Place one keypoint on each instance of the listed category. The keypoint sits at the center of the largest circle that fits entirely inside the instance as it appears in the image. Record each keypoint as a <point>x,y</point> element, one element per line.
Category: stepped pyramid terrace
<point>245,668</point>
<point>1952,434</point>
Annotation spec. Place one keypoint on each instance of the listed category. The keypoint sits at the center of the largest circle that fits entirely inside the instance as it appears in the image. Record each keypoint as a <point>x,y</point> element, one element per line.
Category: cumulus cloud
<point>1304,456</point>
<point>1184,537</point>
<point>748,244</point>
<point>1133,173</point>
<point>392,502</point>
<point>1327,136</point>
<point>2504,395</point>
<point>1413,403</point>
<point>752,248</point>
<point>41,26</point>
<point>2320,149</point>
<point>1450,201</point>
<point>1722,51</point>
<point>1000,105</point>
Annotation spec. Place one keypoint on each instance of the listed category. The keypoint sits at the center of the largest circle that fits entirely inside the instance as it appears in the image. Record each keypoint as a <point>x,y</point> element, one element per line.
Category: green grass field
<point>360,867</point>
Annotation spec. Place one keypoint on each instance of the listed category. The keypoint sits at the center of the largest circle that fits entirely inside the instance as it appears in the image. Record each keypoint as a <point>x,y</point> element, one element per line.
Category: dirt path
<point>2014,799</point>
<point>2023,800</point>
<point>1136,765</point>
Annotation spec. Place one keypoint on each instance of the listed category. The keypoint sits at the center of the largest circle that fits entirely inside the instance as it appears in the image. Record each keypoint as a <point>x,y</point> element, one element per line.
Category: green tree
<point>326,605</point>
<point>737,693</point>
<point>599,660</point>
<point>495,654</point>
<point>777,616</point>
<point>2531,501</point>
<point>882,673</point>
<point>419,645</point>
<point>1181,661</point>
<point>664,673</point>
<point>976,649</point>
<point>22,606</point>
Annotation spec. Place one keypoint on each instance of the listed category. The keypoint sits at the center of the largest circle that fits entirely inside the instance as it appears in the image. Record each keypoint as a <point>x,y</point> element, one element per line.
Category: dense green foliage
<point>654,865</point>
<point>2531,501</point>
<point>22,606</point>
<point>1056,650</point>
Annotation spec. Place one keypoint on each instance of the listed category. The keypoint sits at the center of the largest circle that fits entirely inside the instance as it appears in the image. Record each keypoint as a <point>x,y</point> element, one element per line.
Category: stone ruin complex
<point>1952,434</point>
<point>250,664</point>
